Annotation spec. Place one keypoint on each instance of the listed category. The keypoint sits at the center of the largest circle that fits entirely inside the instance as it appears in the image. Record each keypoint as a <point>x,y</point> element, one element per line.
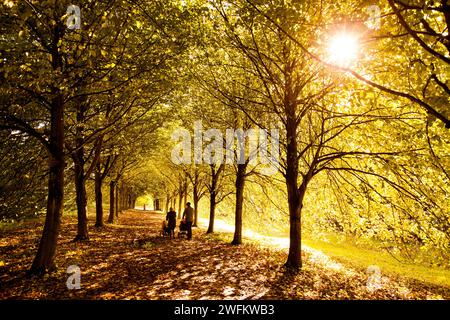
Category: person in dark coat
<point>171,219</point>
<point>188,216</point>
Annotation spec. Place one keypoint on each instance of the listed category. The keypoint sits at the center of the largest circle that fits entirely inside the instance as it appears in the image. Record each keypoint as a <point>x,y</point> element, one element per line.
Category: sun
<point>343,49</point>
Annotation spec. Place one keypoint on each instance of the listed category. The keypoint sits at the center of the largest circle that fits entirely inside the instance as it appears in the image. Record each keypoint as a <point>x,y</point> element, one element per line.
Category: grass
<point>361,257</point>
<point>358,257</point>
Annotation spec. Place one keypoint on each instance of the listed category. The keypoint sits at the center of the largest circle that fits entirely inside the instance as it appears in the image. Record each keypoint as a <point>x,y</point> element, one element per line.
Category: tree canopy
<point>310,119</point>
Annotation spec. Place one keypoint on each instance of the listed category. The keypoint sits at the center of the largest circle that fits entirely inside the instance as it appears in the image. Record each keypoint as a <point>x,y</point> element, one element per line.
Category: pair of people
<point>188,218</point>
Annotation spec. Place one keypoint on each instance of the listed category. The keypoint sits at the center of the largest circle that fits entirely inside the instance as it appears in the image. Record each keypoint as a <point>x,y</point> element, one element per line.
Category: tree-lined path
<point>326,123</point>
<point>130,260</point>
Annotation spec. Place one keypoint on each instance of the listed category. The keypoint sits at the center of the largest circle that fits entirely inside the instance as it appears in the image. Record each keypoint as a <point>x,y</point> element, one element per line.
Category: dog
<point>166,231</point>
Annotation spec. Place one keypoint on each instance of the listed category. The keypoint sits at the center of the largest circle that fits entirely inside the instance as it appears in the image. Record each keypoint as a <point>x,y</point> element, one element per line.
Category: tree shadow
<point>289,283</point>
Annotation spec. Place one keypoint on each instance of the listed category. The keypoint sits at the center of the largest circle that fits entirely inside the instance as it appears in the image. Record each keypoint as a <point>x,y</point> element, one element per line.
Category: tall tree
<point>299,98</point>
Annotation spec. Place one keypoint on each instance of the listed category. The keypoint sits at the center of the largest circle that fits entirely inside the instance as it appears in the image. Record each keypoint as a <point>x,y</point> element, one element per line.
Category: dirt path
<point>130,260</point>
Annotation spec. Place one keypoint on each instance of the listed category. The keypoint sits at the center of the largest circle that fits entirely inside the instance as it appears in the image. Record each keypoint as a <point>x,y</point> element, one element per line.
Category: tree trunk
<point>212,196</point>
<point>98,198</point>
<point>80,178</point>
<point>167,203</point>
<point>119,198</point>
<point>112,201</point>
<point>240,185</point>
<point>81,199</point>
<point>294,260</point>
<point>44,259</point>
<point>196,201</point>
<point>180,200</point>
<point>212,211</point>
<point>117,204</point>
<point>185,195</point>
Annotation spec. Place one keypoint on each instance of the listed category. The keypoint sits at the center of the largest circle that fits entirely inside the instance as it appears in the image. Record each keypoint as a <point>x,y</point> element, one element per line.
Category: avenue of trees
<point>87,117</point>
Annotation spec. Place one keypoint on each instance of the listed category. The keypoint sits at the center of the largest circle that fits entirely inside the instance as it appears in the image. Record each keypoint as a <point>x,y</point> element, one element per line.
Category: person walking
<point>188,216</point>
<point>171,219</point>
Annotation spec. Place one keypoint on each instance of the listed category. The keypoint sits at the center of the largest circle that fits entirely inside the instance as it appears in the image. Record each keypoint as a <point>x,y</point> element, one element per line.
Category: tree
<point>55,76</point>
<point>197,178</point>
<point>428,36</point>
<point>299,96</point>
<point>216,193</point>
<point>46,98</point>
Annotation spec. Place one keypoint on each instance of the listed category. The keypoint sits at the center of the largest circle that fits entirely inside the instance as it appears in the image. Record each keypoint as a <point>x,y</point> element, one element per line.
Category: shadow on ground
<point>130,260</point>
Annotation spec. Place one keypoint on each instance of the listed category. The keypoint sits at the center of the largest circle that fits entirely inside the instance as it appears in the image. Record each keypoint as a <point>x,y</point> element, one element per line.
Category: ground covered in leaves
<point>130,260</point>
